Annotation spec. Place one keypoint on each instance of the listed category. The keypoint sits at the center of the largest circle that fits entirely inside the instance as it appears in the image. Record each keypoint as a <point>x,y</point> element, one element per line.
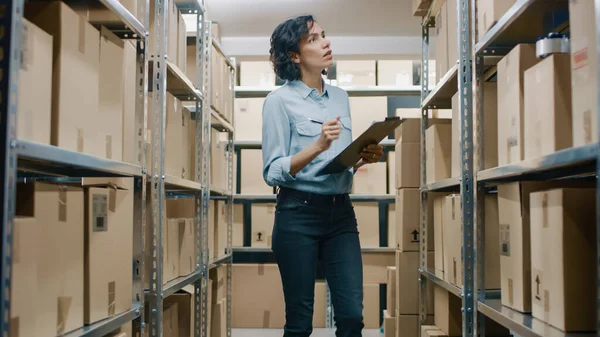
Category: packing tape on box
<point>511,294</point>
<point>63,307</point>
<point>545,210</point>
<point>14,327</point>
<point>266,319</point>
<point>261,269</point>
<point>81,44</point>
<point>62,203</point>
<point>112,295</point>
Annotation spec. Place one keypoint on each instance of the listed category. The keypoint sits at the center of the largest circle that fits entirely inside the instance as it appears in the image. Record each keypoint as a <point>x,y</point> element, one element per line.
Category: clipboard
<point>351,154</point>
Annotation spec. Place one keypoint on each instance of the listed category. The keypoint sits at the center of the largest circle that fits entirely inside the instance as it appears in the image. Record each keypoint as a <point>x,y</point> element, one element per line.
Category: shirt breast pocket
<point>308,133</point>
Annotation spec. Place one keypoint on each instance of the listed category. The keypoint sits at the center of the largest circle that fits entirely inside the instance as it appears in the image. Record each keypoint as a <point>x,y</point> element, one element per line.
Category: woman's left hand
<point>372,154</point>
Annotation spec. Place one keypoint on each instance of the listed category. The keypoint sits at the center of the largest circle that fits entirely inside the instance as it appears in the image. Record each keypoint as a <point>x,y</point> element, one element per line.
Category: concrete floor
<point>279,333</point>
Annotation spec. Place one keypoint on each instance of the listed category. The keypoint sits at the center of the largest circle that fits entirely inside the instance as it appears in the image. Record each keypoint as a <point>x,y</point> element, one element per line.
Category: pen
<point>315,121</point>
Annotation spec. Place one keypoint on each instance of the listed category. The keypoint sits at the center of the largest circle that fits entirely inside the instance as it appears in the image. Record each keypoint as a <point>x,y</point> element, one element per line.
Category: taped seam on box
<point>261,269</point>
<point>545,210</point>
<point>511,295</point>
<point>63,307</point>
<point>266,318</point>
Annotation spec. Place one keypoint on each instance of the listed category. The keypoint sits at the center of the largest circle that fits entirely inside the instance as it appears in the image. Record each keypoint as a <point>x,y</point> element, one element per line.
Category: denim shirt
<point>287,130</point>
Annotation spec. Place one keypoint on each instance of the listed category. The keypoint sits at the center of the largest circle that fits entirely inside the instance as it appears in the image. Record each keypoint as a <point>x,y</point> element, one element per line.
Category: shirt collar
<point>304,90</point>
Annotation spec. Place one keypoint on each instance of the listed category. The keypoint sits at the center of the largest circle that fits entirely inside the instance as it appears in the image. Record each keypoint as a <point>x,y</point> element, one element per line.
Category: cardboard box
<point>511,77</point>
<point>492,236</point>
<point>181,42</point>
<point>395,73</point>
<point>370,179</point>
<point>190,65</point>
<point>452,31</point>
<point>371,306</point>
<point>407,166</point>
<point>441,44</point>
<point>392,225</point>
<point>490,125</point>
<point>248,118</point>
<point>407,288</point>
<point>320,306</point>
<point>221,229</point>
<point>216,31</point>
<point>389,324</point>
<point>228,88</point>
<point>132,151</point>
<point>263,219</point>
<point>148,244</point>
<point>219,319</point>
<point>257,74</point>
<point>515,238</point>
<point>431,331</point>
<point>438,151</point>
<point>391,171</point>
<point>171,321</point>
<point>548,121</point>
<point>104,16</point>
<point>213,227</point>
<point>184,302</point>
<point>456,162</point>
<point>105,129</point>
<point>187,255</point>
<point>365,111</point>
<point>438,230</point>
<point>452,237</point>
<point>35,80</point>
<point>584,71</point>
<point>218,156</point>
<point>75,75</point>
<point>408,325</point>
<point>356,73</point>
<point>218,276</point>
<point>238,225</point>
<point>408,221</point>
<point>420,7</point>
<point>375,266</point>
<point>109,241</point>
<point>26,243</point>
<point>367,217</point>
<point>447,314</point>
<point>252,309</point>
<point>59,212</point>
<point>216,100</point>
<point>489,12</point>
<point>171,253</point>
<point>173,156</point>
<point>187,145</point>
<point>252,178</point>
<point>563,252</point>
<point>391,290</point>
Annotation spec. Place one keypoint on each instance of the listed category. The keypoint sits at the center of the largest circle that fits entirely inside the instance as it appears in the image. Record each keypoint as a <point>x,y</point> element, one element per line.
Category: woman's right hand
<point>330,131</point>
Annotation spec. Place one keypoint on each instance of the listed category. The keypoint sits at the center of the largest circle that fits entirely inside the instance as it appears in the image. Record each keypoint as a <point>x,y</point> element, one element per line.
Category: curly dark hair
<point>285,40</point>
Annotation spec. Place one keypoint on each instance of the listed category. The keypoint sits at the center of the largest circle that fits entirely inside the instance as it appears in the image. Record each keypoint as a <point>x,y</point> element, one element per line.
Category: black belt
<point>313,198</point>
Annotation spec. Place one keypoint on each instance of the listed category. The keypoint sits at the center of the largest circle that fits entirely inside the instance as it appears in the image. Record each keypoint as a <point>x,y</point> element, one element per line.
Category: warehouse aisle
<point>279,333</point>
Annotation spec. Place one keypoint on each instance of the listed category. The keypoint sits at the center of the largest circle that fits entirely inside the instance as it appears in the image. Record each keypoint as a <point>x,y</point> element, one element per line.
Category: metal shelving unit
<point>23,158</point>
<point>476,65</point>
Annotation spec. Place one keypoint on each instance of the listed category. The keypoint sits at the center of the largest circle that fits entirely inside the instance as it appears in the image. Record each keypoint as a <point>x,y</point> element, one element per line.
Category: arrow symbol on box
<point>537,282</point>
<point>415,235</point>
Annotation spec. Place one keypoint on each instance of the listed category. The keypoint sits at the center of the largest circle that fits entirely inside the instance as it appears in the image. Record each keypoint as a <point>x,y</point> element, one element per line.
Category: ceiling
<point>246,18</point>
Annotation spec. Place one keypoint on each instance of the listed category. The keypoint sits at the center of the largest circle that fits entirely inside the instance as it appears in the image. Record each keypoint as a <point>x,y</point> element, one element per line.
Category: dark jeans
<point>310,227</point>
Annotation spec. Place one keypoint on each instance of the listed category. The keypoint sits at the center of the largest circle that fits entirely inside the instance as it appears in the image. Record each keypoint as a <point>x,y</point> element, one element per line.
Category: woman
<point>305,123</point>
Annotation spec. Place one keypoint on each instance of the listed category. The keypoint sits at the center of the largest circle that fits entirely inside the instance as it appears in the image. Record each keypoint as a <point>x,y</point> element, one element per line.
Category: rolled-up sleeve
<point>276,138</point>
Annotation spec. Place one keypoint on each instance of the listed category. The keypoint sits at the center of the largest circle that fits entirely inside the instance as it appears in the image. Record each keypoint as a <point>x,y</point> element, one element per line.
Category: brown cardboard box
<point>356,73</point>
<point>375,266</point>
<point>395,73</point>
<point>392,225</point>
<point>173,157</point>
<point>515,238</point>
<point>408,221</point>
<point>447,314</point>
<point>218,172</point>
<point>438,151</point>
<point>431,331</point>
<point>219,319</point>
<point>391,290</point>
<point>366,110</point>
<point>23,312</point>
<point>105,129</point>
<point>184,303</point>
<point>148,244</point>
<point>218,276</point>
<point>75,76</point>
<point>563,250</point>
<point>252,309</point>
<point>438,230</point>
<point>216,80</point>
<point>171,253</point>
<point>187,143</point>
<point>228,85</point>
<point>171,321</point>
<point>238,225</point>
<point>441,44</point>
<point>252,177</point>
<point>407,166</point>
<point>584,71</point>
<point>489,12</point>
<point>181,208</point>
<point>187,256</point>
<point>59,211</point>
<point>455,171</point>
<point>181,43</point>
<point>213,227</point>
<point>452,237</point>
<point>410,130</point>
<point>35,80</point>
<point>109,240</point>
<point>370,179</point>
<point>389,324</point>
<point>407,288</point>
<point>548,121</point>
<point>115,183</point>
<point>102,15</point>
<point>420,7</point>
<point>367,216</point>
<point>257,74</point>
<point>263,219</point>
<point>492,236</point>
<point>248,118</point>
<point>511,76</point>
<point>408,325</point>
<point>221,229</point>
<point>320,306</point>
<point>490,125</point>
<point>391,171</point>
<point>371,306</point>
<point>216,31</point>
<point>130,148</point>
<point>190,65</point>
<point>452,31</point>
